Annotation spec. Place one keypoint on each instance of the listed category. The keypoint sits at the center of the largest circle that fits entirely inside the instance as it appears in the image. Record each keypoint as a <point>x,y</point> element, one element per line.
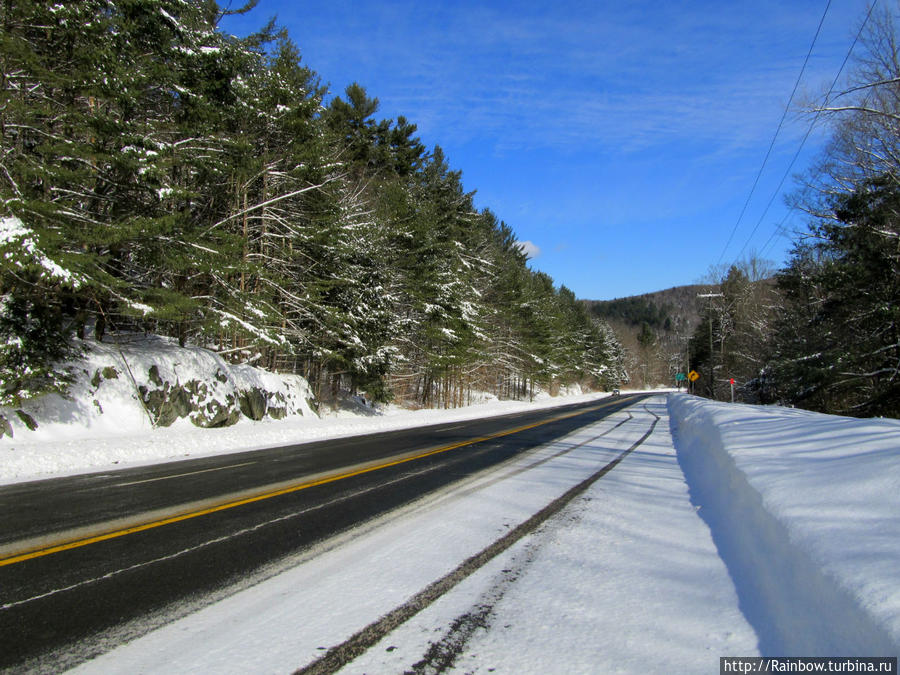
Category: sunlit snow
<point>732,530</point>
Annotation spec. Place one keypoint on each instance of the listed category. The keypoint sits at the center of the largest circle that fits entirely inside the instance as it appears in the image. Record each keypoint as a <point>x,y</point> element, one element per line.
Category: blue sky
<point>621,139</point>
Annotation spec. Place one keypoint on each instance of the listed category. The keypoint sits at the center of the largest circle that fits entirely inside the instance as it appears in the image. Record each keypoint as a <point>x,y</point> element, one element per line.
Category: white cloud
<point>529,248</point>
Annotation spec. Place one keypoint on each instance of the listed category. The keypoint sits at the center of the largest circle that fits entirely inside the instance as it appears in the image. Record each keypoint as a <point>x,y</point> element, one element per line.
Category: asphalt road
<point>90,561</point>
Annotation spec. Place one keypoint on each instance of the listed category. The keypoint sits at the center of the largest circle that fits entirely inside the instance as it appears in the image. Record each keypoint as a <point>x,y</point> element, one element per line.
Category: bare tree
<point>865,117</point>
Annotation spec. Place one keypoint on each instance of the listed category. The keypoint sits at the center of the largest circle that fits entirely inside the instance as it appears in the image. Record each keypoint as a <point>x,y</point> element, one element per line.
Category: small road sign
<point>693,376</point>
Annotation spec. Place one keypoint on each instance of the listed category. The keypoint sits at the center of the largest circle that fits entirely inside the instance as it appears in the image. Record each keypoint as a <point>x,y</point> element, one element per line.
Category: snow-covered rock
<point>138,382</point>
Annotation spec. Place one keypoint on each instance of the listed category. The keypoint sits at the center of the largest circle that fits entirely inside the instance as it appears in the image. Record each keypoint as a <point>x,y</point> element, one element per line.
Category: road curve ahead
<point>89,561</point>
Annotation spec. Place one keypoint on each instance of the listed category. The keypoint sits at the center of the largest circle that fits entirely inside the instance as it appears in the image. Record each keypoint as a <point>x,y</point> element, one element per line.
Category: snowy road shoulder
<point>625,580</point>
<point>62,450</point>
<point>625,577</point>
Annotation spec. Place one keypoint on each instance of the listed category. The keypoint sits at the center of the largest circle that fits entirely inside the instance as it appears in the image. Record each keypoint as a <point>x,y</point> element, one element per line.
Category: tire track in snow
<point>340,655</point>
<point>442,654</point>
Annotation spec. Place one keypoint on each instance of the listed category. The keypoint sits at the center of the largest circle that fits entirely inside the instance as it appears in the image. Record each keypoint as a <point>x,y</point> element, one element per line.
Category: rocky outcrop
<point>5,427</point>
<point>204,404</point>
<point>217,403</point>
<point>122,386</point>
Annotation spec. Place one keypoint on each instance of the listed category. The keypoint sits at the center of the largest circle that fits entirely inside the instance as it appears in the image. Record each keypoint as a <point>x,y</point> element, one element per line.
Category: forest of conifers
<point>159,175</point>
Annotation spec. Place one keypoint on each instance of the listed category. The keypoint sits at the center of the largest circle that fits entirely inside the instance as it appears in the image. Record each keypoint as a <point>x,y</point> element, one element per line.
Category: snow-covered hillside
<point>132,383</point>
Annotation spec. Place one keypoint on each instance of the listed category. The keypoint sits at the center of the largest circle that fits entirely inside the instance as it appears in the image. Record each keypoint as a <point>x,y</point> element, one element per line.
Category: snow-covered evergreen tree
<point>157,174</point>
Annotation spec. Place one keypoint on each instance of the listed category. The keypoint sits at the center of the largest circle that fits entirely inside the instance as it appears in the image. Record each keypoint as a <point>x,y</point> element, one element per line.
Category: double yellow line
<point>66,541</point>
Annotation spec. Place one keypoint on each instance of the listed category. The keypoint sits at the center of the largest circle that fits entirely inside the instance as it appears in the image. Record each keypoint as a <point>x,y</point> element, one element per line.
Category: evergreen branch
<point>264,204</point>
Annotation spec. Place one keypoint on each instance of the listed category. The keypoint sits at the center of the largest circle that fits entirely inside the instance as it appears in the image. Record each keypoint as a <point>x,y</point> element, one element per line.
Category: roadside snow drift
<point>805,511</point>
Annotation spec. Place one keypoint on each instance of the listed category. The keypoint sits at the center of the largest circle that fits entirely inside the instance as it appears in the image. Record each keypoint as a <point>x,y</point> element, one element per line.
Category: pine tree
<point>844,294</point>
<point>168,177</point>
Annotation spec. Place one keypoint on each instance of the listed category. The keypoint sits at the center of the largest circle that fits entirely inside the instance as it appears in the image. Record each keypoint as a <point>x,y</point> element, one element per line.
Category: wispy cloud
<point>631,130</point>
<point>628,76</point>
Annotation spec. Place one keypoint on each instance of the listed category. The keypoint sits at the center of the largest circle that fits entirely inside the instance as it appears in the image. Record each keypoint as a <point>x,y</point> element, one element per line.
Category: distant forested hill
<point>653,328</point>
<point>673,309</point>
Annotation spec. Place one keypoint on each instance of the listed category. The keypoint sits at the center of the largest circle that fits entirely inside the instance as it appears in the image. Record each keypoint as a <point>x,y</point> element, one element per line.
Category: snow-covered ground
<point>626,577</point>
<point>729,530</point>
<point>805,511</point>
<point>768,531</point>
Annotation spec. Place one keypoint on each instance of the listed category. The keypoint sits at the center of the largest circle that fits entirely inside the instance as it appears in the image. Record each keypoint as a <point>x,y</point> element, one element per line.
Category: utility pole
<point>712,381</point>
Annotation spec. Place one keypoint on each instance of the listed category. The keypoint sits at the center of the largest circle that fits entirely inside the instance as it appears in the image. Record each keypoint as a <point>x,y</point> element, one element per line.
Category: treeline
<point>159,175</point>
<point>826,335</point>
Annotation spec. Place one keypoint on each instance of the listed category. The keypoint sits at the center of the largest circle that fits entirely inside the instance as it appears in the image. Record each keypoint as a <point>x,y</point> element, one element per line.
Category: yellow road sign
<point>693,376</point>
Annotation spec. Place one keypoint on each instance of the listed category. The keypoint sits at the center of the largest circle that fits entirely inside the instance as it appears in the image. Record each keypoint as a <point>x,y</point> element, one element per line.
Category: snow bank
<point>144,382</point>
<point>804,510</point>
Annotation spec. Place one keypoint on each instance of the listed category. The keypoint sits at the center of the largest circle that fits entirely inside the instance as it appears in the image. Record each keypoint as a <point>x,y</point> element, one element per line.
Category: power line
<point>778,228</point>
<point>772,144</point>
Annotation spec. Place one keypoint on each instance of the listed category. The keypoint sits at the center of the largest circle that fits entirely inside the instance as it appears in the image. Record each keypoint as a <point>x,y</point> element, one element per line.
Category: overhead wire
<point>775,136</point>
<point>818,112</point>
